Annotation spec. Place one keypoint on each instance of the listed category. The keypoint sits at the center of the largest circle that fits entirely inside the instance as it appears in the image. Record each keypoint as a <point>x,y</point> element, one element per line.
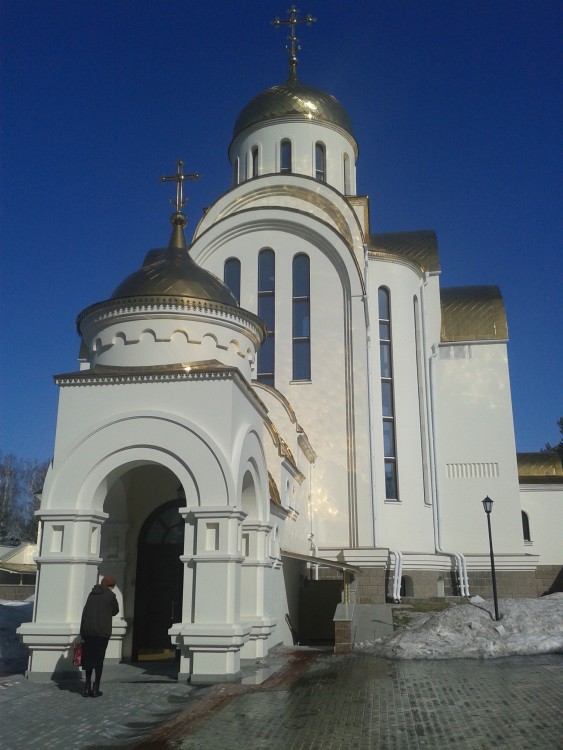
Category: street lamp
<point>488,506</point>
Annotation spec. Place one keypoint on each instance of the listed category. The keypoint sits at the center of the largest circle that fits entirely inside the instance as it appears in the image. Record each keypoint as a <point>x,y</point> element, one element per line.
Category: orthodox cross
<point>293,47</point>
<point>179,178</point>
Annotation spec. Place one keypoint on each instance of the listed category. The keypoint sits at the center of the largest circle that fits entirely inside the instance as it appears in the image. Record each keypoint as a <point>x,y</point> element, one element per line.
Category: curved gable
<point>420,246</point>
<point>473,313</point>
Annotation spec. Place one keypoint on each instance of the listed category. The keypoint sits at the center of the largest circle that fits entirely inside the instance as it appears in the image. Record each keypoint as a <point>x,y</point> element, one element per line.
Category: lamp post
<point>488,506</point>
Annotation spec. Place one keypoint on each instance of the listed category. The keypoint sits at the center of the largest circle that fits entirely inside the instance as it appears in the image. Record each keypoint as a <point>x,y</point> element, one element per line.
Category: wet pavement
<point>311,700</point>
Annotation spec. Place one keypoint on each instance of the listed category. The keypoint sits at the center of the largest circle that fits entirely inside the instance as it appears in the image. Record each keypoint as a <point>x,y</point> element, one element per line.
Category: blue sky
<point>456,107</point>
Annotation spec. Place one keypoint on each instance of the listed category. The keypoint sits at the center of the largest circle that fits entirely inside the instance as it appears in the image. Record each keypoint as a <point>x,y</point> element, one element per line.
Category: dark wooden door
<point>158,589</point>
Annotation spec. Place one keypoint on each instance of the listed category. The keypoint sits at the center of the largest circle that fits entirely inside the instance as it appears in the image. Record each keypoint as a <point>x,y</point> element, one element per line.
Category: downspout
<point>370,400</point>
<point>312,531</point>
<point>461,564</point>
<point>397,574</point>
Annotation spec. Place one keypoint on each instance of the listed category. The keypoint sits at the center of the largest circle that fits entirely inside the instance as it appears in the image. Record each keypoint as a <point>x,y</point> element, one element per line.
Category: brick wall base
<point>549,579</point>
<point>15,593</point>
<point>510,584</point>
<point>375,585</point>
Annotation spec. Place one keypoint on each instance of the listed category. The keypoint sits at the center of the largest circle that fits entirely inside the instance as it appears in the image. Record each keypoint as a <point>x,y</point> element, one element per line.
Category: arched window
<point>526,527</point>
<point>254,161</point>
<point>285,156</point>
<point>320,162</point>
<point>231,276</point>
<point>236,171</point>
<point>301,318</point>
<point>347,187</point>
<point>266,311</point>
<point>387,396</point>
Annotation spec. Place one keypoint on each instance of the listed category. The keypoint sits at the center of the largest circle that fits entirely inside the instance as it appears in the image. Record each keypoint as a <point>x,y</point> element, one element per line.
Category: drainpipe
<point>461,564</point>
<point>397,575</point>
<point>371,418</point>
<point>312,531</point>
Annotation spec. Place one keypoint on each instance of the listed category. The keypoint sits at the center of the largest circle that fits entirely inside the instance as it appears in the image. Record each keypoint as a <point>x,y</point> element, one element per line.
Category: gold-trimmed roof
<point>544,466</point>
<point>273,491</point>
<point>473,313</point>
<point>293,99</point>
<point>420,246</point>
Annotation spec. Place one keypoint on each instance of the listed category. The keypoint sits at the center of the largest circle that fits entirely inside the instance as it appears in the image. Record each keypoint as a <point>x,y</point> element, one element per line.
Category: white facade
<point>364,429</point>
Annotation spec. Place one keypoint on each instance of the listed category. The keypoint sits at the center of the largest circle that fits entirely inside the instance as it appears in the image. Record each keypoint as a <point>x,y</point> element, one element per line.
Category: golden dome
<point>293,99</point>
<point>172,272</point>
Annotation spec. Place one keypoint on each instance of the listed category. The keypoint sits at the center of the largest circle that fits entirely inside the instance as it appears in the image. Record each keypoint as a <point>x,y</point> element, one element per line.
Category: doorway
<point>159,582</point>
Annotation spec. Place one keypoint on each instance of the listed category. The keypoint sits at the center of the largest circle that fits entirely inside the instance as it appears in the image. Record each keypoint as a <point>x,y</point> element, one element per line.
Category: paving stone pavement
<point>320,702</point>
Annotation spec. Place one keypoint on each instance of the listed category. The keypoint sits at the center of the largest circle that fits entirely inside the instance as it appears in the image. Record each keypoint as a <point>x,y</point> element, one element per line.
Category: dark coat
<point>100,607</point>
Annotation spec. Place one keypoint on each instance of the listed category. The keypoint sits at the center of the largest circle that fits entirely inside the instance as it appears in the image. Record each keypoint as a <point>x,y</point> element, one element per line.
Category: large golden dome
<point>293,99</point>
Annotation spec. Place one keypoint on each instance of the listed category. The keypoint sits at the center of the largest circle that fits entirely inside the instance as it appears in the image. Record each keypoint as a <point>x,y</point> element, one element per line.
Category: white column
<point>211,634</point>
<point>256,560</point>
<point>67,568</point>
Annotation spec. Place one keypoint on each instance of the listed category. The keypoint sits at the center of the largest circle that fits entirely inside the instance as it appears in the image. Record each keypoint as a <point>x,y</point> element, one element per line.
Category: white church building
<point>288,412</point>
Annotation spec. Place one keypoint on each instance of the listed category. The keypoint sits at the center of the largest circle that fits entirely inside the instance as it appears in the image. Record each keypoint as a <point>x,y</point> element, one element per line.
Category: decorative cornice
<point>185,371</point>
<point>126,376</point>
<point>163,304</point>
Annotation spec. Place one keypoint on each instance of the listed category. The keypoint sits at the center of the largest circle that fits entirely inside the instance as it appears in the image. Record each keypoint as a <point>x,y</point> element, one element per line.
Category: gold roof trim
<point>312,194</point>
<point>473,313</point>
<point>281,398</point>
<point>211,369</point>
<point>273,490</point>
<point>544,466</point>
<point>419,246</point>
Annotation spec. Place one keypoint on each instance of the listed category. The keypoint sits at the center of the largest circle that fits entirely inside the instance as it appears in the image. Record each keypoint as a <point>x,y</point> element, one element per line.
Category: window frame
<point>301,342</point>
<point>286,150</point>
<point>232,262</point>
<point>267,296</point>
<point>320,161</point>
<point>389,424</point>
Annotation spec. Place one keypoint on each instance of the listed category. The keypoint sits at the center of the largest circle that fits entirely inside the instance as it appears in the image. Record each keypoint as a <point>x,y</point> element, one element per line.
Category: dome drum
<point>258,151</point>
<point>148,334</point>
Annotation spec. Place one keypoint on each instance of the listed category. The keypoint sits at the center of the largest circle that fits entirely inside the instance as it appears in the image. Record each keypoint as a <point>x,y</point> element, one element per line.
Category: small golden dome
<point>171,271</point>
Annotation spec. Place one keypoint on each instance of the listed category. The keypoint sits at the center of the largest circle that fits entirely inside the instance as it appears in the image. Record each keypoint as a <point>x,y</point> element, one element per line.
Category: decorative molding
<point>473,470</point>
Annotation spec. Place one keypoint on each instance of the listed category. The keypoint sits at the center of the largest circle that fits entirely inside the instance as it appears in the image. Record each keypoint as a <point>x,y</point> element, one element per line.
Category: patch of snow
<point>466,631</point>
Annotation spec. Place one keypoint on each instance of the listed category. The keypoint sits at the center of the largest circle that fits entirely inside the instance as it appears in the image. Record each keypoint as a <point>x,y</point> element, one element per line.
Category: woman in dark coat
<point>95,629</point>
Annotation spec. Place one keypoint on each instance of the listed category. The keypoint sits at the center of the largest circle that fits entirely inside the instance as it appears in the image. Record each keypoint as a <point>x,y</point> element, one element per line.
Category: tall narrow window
<point>526,527</point>
<point>254,160</point>
<point>387,396</point>
<point>347,188</point>
<point>266,311</point>
<point>320,162</point>
<point>301,318</point>
<point>285,156</point>
<point>232,276</point>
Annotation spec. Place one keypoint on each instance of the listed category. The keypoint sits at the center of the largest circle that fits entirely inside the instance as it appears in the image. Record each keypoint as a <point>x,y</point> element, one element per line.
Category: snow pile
<point>469,631</point>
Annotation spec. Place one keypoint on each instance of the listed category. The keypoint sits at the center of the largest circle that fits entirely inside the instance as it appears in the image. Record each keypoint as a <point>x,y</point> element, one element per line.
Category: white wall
<point>544,505</point>
<point>476,451</point>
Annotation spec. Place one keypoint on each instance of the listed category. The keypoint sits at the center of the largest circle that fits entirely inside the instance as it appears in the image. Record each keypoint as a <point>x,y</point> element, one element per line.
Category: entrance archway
<point>159,582</point>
